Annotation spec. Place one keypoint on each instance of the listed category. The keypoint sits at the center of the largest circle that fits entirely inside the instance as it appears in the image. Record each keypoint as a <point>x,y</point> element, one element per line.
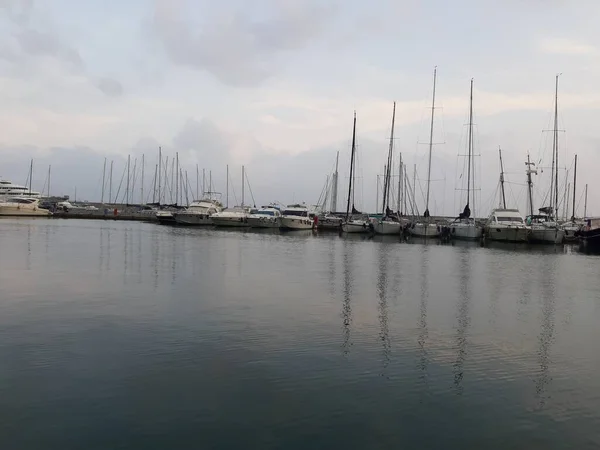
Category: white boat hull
<point>465,231</point>
<point>424,229</point>
<point>543,235</point>
<point>387,227</point>
<point>193,219</point>
<point>263,222</point>
<point>237,222</point>
<point>296,223</point>
<point>507,233</point>
<point>17,210</point>
<point>356,227</point>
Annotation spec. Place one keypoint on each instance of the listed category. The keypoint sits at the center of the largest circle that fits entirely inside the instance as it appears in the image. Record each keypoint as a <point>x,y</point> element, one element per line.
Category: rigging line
<point>249,187</point>
<point>121,183</point>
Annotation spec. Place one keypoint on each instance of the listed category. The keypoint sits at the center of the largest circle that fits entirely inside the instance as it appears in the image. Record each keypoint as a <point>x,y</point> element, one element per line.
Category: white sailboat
<point>234,217</point>
<point>389,222</point>
<point>504,224</point>
<point>464,226</point>
<point>544,226</point>
<point>355,221</point>
<point>425,226</point>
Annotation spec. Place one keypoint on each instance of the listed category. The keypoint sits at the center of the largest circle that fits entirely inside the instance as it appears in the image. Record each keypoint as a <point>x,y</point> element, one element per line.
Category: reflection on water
<point>346,304</point>
<point>382,282</point>
<point>130,335</point>
<point>463,319</point>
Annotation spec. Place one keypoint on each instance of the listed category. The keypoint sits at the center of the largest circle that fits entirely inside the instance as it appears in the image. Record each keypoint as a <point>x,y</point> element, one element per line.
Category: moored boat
<point>296,217</point>
<point>22,207</point>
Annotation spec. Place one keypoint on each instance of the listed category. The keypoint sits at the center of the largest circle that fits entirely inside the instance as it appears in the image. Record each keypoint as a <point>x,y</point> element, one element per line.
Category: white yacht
<point>296,217</point>
<point>9,189</point>
<point>507,225</point>
<point>265,217</point>
<point>199,212</point>
<point>23,207</point>
<point>231,217</point>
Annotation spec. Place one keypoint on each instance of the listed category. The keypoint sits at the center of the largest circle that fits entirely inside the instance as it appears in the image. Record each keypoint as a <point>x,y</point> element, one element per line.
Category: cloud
<point>562,46</point>
<point>235,48</point>
<point>110,87</point>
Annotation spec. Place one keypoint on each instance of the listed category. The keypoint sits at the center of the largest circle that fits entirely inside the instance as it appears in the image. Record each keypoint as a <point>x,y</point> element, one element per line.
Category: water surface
<point>133,335</point>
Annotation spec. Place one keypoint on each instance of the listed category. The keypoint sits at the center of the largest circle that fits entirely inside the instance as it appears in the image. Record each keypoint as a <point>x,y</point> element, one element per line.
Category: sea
<point>129,335</point>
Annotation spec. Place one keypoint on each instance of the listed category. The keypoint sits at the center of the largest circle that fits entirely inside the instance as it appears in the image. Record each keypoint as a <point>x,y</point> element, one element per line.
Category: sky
<point>273,85</point>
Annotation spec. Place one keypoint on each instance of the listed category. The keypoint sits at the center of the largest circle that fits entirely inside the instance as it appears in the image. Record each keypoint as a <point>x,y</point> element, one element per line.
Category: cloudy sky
<point>272,84</point>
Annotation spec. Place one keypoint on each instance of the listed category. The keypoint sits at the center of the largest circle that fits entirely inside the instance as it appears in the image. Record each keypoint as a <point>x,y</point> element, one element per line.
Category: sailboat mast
<point>159,171</point>
<point>388,170</point>
<point>470,152</point>
<point>209,181</point>
<point>177,179</point>
<point>142,188</point>
<point>400,191</point>
<point>30,175</point>
<point>502,178</point>
<point>242,186</point>
<point>49,170</point>
<point>529,184</point>
<point>128,166</point>
<point>197,182</point>
<point>110,182</point>
<point>585,203</point>
<point>574,188</point>
<point>154,184</point>
<point>351,168</point>
<point>203,182</point>
<point>103,181</point>
<point>555,140</point>
<point>227,195</point>
<point>334,194</point>
<point>426,213</point>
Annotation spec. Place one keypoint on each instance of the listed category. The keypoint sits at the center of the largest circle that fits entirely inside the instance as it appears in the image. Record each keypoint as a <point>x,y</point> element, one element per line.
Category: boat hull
<point>507,234</point>
<point>231,222</point>
<point>296,223</point>
<point>8,210</point>
<point>192,219</point>
<point>165,218</point>
<point>330,223</point>
<point>544,235</point>
<point>465,232</point>
<point>263,222</point>
<point>424,230</point>
<point>387,227</point>
<point>356,227</point>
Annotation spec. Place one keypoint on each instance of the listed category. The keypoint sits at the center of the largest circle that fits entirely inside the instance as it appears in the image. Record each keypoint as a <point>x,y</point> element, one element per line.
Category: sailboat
<point>236,216</point>
<point>389,223</point>
<point>464,226</point>
<point>544,227</point>
<point>355,221</point>
<point>425,226</point>
<point>505,224</point>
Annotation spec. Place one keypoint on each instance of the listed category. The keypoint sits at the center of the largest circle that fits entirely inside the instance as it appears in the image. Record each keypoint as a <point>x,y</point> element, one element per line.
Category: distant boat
<point>265,217</point>
<point>425,226</point>
<point>389,222</point>
<point>544,226</point>
<point>464,226</point>
<point>355,221</point>
<point>199,212</point>
<point>296,217</point>
<point>22,207</point>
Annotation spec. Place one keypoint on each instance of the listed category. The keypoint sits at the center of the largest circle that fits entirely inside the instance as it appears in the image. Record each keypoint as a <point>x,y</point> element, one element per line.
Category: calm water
<point>131,336</point>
